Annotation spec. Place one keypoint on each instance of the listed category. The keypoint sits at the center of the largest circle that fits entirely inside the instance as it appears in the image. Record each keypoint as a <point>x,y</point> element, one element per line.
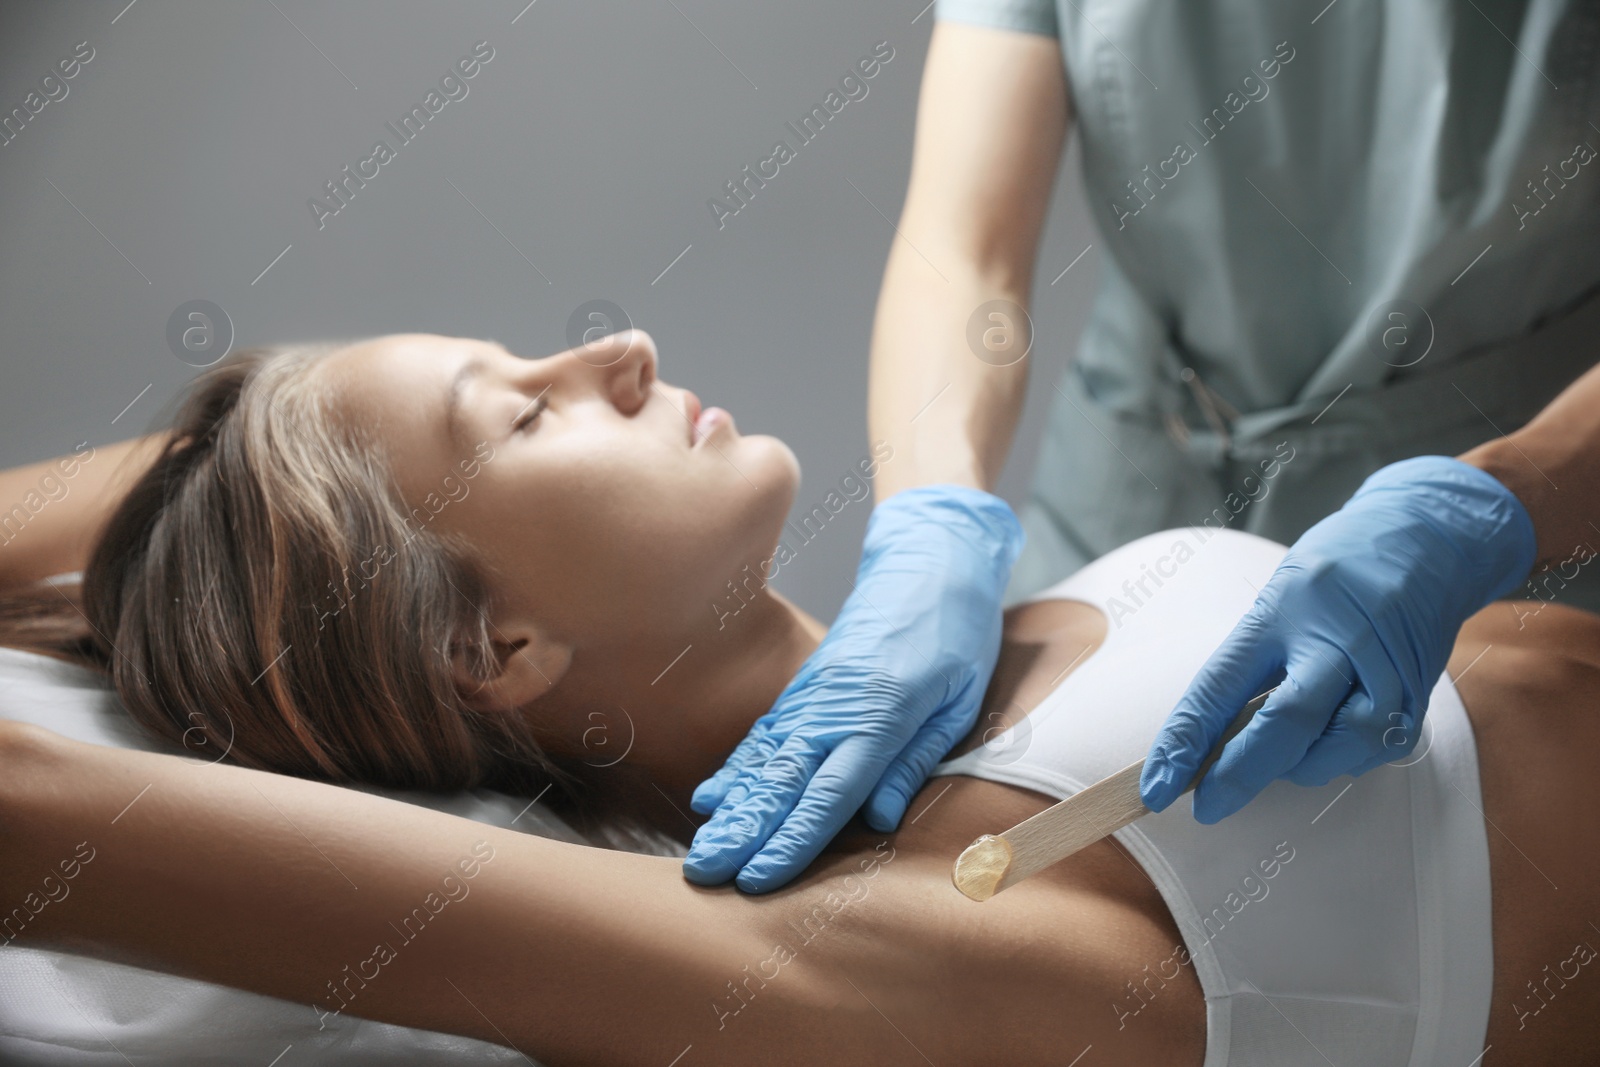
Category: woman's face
<point>581,481</point>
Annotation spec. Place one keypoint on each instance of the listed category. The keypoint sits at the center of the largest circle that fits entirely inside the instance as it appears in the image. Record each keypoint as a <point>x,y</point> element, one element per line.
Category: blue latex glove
<point>1358,620</point>
<point>893,686</point>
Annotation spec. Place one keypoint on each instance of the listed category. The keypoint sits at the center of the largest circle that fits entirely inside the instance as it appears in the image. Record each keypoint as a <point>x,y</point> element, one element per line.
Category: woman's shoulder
<point>1517,653</point>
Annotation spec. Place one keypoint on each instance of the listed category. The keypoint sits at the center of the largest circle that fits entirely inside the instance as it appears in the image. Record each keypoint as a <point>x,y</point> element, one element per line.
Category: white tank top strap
<point>1169,600</point>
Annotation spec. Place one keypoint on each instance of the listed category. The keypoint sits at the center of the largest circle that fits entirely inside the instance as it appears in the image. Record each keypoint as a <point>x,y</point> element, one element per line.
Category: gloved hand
<point>1359,620</point>
<point>893,686</point>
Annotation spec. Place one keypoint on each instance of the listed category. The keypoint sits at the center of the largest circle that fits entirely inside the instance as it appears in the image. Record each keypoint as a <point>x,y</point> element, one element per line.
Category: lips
<point>703,421</point>
<point>691,413</point>
<point>708,422</point>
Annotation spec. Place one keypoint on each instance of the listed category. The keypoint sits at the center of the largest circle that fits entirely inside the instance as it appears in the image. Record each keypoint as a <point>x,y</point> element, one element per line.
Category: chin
<point>775,470</point>
<point>772,465</point>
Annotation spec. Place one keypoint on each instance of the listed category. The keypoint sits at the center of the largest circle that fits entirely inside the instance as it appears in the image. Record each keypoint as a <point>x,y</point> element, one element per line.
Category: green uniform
<point>1329,237</point>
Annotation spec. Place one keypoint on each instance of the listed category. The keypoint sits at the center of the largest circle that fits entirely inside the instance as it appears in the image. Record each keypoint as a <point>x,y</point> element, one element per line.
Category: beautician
<point>1336,247</point>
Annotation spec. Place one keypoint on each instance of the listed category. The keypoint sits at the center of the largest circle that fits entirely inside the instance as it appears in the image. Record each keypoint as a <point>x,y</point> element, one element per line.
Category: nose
<point>622,365</point>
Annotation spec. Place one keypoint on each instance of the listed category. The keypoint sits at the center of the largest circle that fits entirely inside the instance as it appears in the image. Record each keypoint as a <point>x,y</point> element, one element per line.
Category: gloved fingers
<point>1242,666</point>
<point>744,822</point>
<point>886,805</point>
<point>751,753</point>
<point>1316,681</point>
<point>833,796</point>
<point>1340,749</point>
<point>746,777</point>
<point>746,780</point>
<point>711,792</point>
<point>1368,725</point>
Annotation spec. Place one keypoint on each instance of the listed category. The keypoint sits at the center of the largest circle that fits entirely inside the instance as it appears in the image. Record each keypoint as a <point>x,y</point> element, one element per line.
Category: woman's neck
<point>653,722</point>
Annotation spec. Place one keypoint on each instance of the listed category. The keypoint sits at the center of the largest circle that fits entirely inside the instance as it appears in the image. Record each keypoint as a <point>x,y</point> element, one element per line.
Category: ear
<point>526,665</point>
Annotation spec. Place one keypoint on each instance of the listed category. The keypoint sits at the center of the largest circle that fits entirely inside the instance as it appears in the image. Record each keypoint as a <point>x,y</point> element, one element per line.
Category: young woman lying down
<point>424,562</point>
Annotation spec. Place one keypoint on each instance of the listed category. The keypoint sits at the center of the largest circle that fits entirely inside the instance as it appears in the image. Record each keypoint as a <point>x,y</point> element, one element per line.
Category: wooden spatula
<point>999,861</point>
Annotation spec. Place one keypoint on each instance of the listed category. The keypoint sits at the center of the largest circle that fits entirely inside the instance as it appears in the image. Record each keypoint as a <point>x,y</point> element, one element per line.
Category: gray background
<point>592,141</point>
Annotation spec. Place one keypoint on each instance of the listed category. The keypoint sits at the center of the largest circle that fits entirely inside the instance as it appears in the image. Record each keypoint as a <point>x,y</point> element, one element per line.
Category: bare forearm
<point>950,339</point>
<point>51,512</point>
<point>949,415</point>
<point>1553,466</point>
<point>344,901</point>
<point>347,902</point>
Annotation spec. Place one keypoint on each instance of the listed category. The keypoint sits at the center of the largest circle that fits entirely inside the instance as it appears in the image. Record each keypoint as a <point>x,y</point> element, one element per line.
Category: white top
<point>1347,924</point>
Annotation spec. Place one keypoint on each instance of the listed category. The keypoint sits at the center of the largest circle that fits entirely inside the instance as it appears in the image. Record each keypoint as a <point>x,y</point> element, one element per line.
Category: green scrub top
<point>1331,236</point>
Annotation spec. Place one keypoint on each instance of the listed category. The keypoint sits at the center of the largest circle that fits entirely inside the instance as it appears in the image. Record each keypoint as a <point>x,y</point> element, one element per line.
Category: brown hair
<point>262,591</point>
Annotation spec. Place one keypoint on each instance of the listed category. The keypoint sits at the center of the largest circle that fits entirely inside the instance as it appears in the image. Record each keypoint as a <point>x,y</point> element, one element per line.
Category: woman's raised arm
<point>346,901</point>
<point>343,900</point>
<point>50,512</point>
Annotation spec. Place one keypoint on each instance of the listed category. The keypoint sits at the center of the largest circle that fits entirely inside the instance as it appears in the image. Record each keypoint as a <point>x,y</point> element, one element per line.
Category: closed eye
<point>529,413</point>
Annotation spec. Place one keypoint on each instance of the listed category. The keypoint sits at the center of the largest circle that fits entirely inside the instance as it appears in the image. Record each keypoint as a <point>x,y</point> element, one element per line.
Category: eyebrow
<point>458,384</point>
